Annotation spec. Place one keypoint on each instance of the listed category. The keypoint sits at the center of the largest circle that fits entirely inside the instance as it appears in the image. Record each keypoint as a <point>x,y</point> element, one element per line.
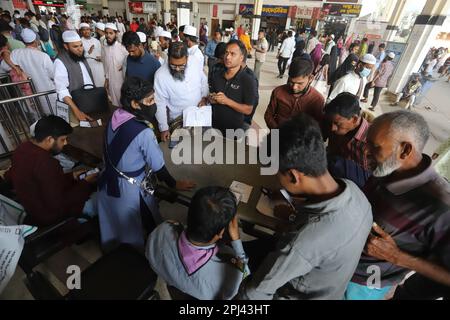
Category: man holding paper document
<point>178,85</point>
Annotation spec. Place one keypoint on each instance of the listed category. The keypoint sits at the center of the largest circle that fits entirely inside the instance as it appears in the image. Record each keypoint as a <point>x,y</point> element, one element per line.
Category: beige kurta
<point>113,58</point>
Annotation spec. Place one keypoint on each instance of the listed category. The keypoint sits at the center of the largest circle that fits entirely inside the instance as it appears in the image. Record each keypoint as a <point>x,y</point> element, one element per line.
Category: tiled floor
<point>438,117</point>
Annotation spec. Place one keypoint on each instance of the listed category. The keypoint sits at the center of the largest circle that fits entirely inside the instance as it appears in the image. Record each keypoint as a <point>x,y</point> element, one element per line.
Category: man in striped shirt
<point>411,208</point>
<point>347,141</point>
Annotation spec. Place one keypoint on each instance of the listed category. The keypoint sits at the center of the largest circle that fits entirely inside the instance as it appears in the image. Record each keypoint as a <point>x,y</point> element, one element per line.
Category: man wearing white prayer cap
<point>37,65</point>
<point>93,53</point>
<point>191,40</point>
<point>114,56</point>
<point>165,37</point>
<point>111,26</point>
<point>72,71</point>
<point>142,37</point>
<point>355,81</point>
<point>100,30</point>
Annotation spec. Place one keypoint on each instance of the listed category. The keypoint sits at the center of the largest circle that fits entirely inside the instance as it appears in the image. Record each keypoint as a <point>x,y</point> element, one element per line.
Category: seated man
<point>47,194</point>
<point>411,206</point>
<point>295,97</point>
<point>317,260</point>
<point>194,260</point>
<point>409,92</point>
<point>347,140</point>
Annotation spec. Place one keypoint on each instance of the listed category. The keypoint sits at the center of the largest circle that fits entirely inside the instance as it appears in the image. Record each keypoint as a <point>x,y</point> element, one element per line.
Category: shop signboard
<point>267,10</point>
<point>48,3</point>
<point>304,12</point>
<point>149,7</point>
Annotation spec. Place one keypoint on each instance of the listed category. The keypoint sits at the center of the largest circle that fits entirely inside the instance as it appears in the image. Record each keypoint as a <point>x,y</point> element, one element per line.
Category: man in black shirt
<point>233,91</point>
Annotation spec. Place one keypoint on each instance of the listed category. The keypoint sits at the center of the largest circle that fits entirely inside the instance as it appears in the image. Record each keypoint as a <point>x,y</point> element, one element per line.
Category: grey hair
<point>407,124</point>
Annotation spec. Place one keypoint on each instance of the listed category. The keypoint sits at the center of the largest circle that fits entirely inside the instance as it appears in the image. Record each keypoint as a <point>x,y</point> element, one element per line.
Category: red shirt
<point>134,27</point>
<point>46,192</point>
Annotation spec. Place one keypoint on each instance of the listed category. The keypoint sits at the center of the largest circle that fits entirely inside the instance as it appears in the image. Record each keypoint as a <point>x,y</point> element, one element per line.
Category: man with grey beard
<point>178,85</point>
<point>411,210</point>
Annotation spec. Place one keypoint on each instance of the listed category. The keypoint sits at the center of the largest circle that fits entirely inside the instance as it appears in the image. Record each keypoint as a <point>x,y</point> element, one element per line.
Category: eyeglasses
<point>180,67</point>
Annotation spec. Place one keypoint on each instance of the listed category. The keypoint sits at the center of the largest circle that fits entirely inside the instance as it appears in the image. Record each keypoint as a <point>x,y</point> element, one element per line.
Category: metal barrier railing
<point>17,114</point>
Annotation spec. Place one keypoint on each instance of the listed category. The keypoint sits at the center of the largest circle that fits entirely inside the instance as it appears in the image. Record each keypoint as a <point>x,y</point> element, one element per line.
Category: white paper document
<point>91,124</point>
<point>242,190</point>
<point>197,117</point>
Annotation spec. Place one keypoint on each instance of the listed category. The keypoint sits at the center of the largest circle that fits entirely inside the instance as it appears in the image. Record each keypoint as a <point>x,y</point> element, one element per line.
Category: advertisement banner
<point>341,10</point>
<point>20,4</point>
<point>267,10</point>
<point>136,7</point>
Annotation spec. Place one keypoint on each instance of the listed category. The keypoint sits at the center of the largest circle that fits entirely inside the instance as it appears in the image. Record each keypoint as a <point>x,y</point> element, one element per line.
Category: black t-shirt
<point>242,89</point>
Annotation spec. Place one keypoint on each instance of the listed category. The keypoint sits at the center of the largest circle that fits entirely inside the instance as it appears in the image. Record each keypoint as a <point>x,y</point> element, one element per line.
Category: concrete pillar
<point>183,12</point>
<point>127,10</point>
<point>423,34</point>
<point>256,21</point>
<point>105,9</point>
<point>394,20</point>
<point>166,11</point>
<point>288,23</point>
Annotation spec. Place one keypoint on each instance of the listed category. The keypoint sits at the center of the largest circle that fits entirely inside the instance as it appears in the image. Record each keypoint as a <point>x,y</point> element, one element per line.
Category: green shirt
<point>15,44</point>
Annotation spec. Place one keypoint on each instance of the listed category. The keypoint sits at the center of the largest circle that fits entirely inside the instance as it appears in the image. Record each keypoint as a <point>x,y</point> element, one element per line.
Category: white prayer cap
<point>165,34</point>
<point>100,25</point>
<point>70,36</point>
<point>369,59</point>
<point>17,16</point>
<point>332,36</point>
<point>111,26</point>
<point>28,35</point>
<point>391,55</point>
<point>142,37</point>
<point>51,24</point>
<point>190,31</point>
<point>84,25</point>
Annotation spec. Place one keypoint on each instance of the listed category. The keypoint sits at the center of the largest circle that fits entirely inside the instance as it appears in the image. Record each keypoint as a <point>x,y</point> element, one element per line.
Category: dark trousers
<point>376,94</point>
<point>282,63</point>
<point>257,250</point>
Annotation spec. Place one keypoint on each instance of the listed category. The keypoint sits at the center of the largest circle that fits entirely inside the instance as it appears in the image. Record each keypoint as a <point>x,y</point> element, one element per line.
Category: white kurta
<point>96,67</point>
<point>114,57</point>
<point>39,67</point>
<point>177,95</point>
<point>196,53</point>
<point>351,82</point>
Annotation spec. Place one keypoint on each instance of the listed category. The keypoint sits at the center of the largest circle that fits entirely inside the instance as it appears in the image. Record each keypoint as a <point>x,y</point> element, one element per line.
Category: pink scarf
<point>119,117</point>
<point>193,257</point>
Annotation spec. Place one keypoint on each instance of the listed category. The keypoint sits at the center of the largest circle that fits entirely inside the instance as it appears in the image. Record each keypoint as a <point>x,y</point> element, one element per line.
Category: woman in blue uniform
<point>127,213</point>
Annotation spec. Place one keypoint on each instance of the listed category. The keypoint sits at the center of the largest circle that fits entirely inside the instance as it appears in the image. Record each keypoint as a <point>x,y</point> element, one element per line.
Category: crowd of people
<point>372,198</point>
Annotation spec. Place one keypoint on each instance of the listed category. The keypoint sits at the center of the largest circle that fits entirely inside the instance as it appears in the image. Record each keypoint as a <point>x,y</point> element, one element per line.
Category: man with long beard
<point>411,210</point>
<point>72,71</point>
<point>178,85</point>
<point>114,55</point>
